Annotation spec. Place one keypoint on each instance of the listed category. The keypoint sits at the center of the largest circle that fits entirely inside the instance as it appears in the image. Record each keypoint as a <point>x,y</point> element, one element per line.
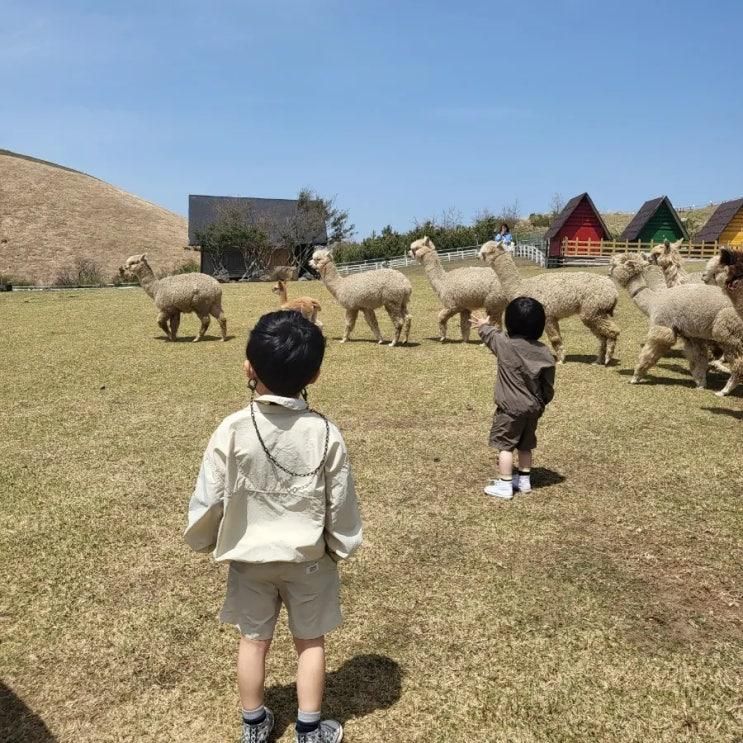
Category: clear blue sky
<point>401,109</point>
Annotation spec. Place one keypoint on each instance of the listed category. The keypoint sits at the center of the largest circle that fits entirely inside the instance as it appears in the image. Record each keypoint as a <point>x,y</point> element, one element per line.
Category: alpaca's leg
<point>659,341</point>
<point>552,328</point>
<point>371,320</point>
<point>736,375</point>
<point>218,313</point>
<point>397,315</point>
<point>315,319</point>
<point>406,328</point>
<point>204,327</point>
<point>696,354</point>
<point>495,315</point>
<point>162,321</point>
<point>351,316</point>
<point>464,325</point>
<point>444,316</point>
<point>175,321</point>
<point>607,331</point>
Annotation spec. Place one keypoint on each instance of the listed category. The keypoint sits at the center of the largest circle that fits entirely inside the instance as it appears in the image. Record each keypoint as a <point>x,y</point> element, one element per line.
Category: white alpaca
<point>172,295</point>
<point>366,292</point>
<point>461,290</point>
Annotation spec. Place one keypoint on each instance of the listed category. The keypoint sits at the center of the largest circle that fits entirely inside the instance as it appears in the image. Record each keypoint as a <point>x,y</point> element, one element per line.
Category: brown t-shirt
<point>526,372</point>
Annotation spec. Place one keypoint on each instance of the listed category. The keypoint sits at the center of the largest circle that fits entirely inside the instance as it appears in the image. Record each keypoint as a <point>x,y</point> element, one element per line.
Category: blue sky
<point>400,109</point>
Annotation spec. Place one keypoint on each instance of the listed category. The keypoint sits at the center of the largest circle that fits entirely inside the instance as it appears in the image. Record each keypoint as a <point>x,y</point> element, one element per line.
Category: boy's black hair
<point>502,225</point>
<point>286,351</point>
<point>525,318</point>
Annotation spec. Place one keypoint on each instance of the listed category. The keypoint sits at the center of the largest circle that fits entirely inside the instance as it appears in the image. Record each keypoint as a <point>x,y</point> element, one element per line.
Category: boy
<point>275,498</point>
<point>524,386</point>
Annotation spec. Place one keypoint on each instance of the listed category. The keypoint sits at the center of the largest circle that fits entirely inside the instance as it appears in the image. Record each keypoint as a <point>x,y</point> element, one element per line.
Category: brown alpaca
<point>696,313</point>
<point>732,262</point>
<point>307,306</point>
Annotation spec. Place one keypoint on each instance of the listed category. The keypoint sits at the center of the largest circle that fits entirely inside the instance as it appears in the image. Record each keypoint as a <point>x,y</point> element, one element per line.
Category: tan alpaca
<point>307,306</point>
<point>696,313</point>
<point>366,292</point>
<point>172,295</point>
<point>461,290</point>
<point>593,298</point>
<point>731,263</point>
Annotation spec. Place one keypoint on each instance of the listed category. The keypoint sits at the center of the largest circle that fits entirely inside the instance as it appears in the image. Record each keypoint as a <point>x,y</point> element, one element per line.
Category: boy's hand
<point>476,321</point>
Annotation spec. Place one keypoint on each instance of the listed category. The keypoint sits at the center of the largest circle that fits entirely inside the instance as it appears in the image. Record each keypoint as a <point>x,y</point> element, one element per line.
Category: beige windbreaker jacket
<point>244,508</point>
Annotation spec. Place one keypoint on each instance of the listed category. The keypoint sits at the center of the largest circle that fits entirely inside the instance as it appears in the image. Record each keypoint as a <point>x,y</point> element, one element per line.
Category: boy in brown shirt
<point>523,387</point>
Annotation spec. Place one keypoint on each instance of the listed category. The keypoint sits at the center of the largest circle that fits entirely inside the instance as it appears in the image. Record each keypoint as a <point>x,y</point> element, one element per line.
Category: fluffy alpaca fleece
<point>307,306</point>
<point>366,292</point>
<point>593,298</point>
<point>696,313</point>
<point>172,295</point>
<point>461,290</point>
<point>668,258</point>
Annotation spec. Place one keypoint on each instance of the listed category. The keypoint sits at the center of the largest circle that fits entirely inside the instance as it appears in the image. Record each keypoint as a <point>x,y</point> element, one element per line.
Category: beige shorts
<point>310,590</point>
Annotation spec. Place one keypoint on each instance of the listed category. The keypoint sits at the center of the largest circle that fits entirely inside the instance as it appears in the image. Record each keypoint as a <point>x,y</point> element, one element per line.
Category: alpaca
<point>714,272</point>
<point>731,263</point>
<point>364,293</point>
<point>696,313</point>
<point>307,306</point>
<point>461,290</point>
<point>188,292</point>
<point>593,298</point>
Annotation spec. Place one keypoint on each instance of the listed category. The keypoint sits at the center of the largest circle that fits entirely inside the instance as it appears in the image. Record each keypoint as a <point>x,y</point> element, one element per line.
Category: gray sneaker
<point>258,733</point>
<point>329,731</point>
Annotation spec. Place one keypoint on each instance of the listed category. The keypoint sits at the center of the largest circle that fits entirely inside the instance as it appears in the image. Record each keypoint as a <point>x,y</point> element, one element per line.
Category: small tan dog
<point>307,306</point>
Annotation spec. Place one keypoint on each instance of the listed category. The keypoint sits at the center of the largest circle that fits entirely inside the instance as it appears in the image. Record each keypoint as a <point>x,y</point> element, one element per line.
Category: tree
<point>557,204</point>
<point>235,230</point>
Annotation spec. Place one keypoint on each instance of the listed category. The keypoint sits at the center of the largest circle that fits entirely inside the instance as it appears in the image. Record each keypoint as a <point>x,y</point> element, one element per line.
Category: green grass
<point>604,606</point>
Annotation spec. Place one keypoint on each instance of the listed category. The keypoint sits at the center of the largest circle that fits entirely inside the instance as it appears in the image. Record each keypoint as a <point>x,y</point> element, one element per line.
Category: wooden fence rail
<point>607,248</point>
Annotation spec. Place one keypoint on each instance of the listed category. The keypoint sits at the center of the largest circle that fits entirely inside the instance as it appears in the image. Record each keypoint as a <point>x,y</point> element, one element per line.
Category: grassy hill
<point>692,218</point>
<point>53,217</point>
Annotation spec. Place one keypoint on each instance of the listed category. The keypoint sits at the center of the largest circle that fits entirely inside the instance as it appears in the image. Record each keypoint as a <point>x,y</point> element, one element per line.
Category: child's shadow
<point>360,686</point>
<point>18,722</point>
<point>541,477</point>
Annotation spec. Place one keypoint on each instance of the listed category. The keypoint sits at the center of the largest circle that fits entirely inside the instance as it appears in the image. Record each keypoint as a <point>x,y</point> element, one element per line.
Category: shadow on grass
<point>453,341</point>
<point>586,358</point>
<point>351,341</point>
<point>737,414</point>
<point>541,477</point>
<point>651,381</point>
<point>18,724</point>
<point>190,338</point>
<point>359,687</point>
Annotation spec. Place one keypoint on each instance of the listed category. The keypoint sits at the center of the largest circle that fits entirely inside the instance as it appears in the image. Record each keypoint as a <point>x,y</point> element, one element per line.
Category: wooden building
<point>725,226</point>
<point>278,218</point>
<point>656,221</point>
<point>579,220</point>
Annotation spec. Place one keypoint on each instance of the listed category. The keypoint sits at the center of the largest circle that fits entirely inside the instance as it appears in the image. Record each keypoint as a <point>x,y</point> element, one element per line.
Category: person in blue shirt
<point>503,237</point>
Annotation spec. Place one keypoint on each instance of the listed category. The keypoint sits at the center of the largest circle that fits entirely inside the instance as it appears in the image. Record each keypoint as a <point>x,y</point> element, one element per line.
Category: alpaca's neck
<point>508,274</point>
<point>283,296</point>
<point>435,272</point>
<point>331,278</point>
<point>641,293</point>
<point>736,297</point>
<point>147,280</point>
<point>675,275</point>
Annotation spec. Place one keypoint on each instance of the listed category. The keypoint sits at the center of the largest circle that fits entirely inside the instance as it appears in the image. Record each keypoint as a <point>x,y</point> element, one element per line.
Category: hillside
<point>692,218</point>
<point>52,216</point>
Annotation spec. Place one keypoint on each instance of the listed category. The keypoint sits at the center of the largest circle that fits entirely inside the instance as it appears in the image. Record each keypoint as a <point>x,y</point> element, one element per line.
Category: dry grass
<point>53,215</point>
<point>603,606</point>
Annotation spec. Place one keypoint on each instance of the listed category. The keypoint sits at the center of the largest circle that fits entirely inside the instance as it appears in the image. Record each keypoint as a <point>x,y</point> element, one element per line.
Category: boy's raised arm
<point>343,532</point>
<point>207,502</point>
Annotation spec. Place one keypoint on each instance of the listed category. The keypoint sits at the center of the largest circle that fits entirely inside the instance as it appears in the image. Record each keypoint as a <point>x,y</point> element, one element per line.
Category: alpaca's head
<point>422,247</point>
<point>278,287</point>
<point>714,272</point>
<point>134,266</point>
<point>732,261</point>
<point>666,254</point>
<point>491,250</point>
<point>321,259</point>
<point>624,266</point>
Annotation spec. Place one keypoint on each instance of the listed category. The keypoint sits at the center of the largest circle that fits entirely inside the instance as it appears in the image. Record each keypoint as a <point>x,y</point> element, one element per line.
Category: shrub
<point>83,272</point>
<point>191,266</point>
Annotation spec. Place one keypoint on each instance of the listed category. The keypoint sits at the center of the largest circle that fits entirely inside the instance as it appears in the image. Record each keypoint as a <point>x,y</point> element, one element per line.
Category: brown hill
<point>52,217</point>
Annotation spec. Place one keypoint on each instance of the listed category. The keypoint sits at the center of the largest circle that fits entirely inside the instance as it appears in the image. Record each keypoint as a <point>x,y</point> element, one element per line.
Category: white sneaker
<point>499,489</point>
<point>522,483</point>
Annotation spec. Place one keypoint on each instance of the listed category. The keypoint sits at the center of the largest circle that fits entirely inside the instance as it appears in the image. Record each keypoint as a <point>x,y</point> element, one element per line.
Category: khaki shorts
<point>310,590</point>
<point>510,432</point>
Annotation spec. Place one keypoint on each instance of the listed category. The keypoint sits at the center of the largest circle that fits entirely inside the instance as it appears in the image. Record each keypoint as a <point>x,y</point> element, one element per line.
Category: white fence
<point>532,253</point>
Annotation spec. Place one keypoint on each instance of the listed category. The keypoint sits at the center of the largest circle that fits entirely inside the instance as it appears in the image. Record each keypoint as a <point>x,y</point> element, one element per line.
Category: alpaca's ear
<point>426,241</point>
<point>726,257</point>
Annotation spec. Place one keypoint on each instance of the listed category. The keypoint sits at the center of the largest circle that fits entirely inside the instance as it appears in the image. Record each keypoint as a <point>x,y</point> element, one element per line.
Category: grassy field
<point>604,606</point>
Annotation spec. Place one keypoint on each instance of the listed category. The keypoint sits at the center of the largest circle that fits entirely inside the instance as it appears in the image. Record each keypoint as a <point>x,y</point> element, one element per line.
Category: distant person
<point>504,238</point>
<point>275,498</point>
<point>523,388</point>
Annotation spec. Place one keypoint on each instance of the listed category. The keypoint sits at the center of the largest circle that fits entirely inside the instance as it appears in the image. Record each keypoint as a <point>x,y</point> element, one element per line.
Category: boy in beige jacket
<point>275,498</point>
